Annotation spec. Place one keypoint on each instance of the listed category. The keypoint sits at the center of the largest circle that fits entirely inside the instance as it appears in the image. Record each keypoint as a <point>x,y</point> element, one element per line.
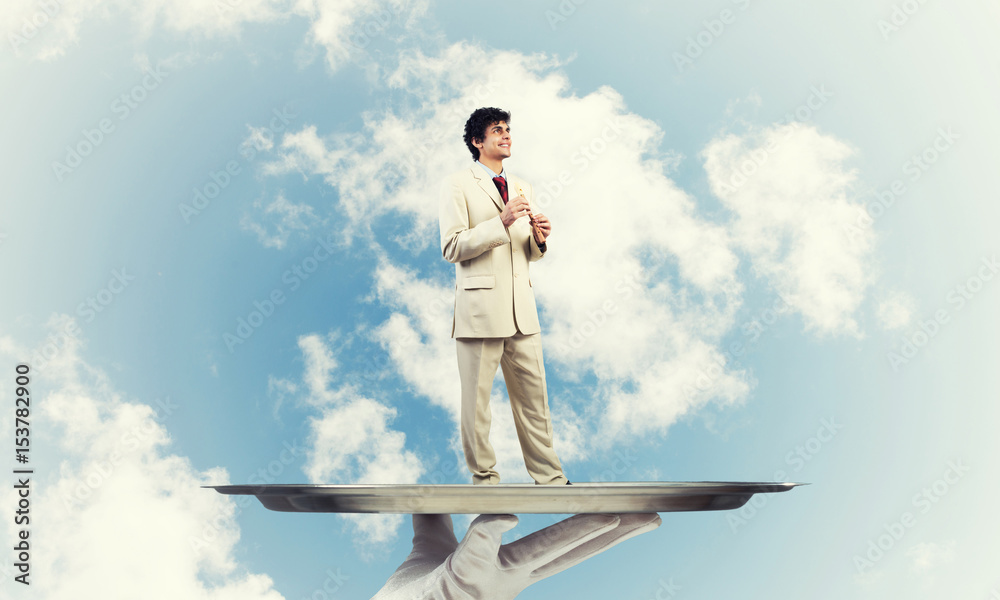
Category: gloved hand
<point>440,568</point>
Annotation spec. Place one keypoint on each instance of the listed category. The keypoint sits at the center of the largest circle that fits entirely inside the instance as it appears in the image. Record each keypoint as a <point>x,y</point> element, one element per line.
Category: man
<point>491,233</point>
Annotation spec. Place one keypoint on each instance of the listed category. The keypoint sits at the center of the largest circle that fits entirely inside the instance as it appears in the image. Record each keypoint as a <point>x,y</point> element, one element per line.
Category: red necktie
<point>502,186</point>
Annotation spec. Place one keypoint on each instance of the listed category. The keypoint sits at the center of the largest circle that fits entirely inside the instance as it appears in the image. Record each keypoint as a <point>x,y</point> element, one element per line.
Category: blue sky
<point>773,256</point>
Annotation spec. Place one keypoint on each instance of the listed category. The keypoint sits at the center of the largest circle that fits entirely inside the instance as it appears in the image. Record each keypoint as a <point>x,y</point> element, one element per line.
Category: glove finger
<point>630,526</point>
<point>546,545</point>
<point>433,536</point>
<point>481,544</point>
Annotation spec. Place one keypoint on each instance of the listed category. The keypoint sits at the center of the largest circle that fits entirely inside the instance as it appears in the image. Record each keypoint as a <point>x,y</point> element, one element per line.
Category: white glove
<point>439,568</point>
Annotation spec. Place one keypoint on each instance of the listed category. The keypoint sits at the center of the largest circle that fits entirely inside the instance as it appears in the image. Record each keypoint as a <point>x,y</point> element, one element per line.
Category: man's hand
<point>441,568</point>
<point>515,209</point>
<point>543,224</point>
<point>544,227</point>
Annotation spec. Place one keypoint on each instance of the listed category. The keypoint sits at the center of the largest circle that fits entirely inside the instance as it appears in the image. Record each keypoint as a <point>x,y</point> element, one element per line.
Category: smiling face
<point>495,145</point>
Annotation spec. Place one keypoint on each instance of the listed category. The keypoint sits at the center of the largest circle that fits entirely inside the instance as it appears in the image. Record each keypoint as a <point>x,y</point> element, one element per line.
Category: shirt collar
<point>503,172</point>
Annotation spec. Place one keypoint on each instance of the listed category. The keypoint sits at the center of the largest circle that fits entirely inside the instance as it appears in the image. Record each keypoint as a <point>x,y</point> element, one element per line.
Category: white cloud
<point>120,507</point>
<point>275,223</point>
<point>280,389</point>
<point>350,439</point>
<point>345,28</point>
<point>46,30</point>
<point>353,444</point>
<point>418,335</point>
<point>927,556</point>
<point>259,139</point>
<point>320,364</point>
<point>793,201</point>
<point>896,311</point>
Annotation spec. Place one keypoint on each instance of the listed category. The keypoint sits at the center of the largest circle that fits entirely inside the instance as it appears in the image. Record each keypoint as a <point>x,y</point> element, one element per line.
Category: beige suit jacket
<point>493,296</point>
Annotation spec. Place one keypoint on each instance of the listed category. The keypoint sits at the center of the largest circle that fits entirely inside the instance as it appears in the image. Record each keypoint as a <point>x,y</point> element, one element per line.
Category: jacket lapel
<point>487,185</point>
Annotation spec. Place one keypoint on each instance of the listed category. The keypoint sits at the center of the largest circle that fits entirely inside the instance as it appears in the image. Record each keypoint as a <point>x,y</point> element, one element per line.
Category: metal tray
<point>625,497</point>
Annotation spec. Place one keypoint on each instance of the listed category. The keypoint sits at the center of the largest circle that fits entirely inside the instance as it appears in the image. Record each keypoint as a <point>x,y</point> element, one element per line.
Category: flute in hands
<point>539,236</point>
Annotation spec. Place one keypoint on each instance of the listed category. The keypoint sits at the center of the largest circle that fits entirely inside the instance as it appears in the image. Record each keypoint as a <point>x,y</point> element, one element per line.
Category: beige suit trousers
<point>520,357</point>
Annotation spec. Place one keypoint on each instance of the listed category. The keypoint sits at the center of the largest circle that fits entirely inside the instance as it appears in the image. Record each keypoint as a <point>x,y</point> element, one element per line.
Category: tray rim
<point>617,497</point>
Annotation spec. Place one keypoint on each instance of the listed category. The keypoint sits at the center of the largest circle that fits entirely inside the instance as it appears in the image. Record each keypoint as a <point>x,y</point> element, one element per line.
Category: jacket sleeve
<point>536,251</point>
<point>459,240</point>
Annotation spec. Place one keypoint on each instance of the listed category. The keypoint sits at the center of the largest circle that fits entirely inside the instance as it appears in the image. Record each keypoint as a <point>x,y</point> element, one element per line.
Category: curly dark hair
<point>475,127</point>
